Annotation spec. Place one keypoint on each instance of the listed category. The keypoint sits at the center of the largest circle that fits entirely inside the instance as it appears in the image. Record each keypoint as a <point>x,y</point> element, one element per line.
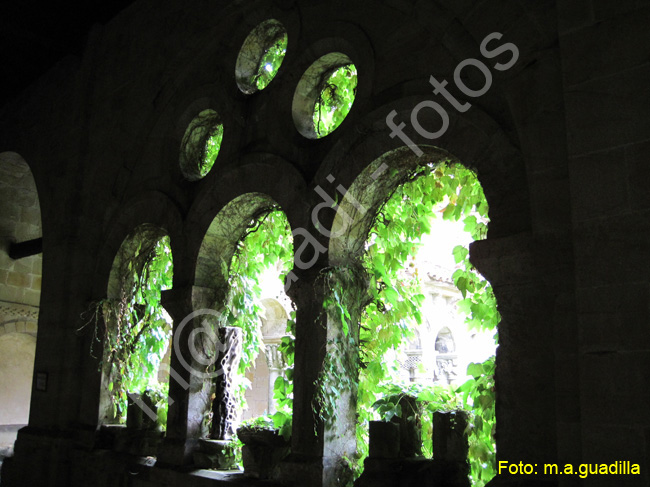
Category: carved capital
<point>274,358</point>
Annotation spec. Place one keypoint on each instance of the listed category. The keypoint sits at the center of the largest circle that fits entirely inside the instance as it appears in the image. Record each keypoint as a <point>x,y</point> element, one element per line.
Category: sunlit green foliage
<point>201,144</point>
<point>450,192</point>
<point>137,332</point>
<point>271,61</point>
<point>335,99</point>
<point>283,386</point>
<point>268,244</point>
<point>211,150</point>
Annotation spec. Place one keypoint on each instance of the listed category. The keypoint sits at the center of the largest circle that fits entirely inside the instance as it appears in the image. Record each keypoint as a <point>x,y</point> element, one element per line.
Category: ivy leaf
<point>391,295</point>
<point>460,253</point>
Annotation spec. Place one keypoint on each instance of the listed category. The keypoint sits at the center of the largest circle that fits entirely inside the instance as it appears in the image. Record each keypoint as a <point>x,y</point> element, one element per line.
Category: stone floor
<point>7,439</point>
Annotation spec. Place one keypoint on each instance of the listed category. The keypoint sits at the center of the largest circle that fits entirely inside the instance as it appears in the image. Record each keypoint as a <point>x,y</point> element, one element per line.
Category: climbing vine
<point>450,192</point>
<point>271,60</point>
<point>137,331</point>
<point>344,288</point>
<point>283,386</point>
<point>211,149</point>
<point>266,246</point>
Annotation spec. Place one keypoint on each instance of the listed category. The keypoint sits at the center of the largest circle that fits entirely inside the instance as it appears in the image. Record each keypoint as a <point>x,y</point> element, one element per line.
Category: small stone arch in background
<point>17,349</point>
<point>269,364</point>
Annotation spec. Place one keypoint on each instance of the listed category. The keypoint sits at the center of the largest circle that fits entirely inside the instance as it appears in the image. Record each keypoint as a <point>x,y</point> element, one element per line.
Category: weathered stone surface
<point>224,406</point>
<point>262,452</point>
<point>449,436</point>
<point>384,439</point>
<point>215,454</point>
<point>410,428</point>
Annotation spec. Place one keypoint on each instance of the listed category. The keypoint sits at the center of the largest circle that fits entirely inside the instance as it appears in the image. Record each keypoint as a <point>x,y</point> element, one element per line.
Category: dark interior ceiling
<point>35,35</point>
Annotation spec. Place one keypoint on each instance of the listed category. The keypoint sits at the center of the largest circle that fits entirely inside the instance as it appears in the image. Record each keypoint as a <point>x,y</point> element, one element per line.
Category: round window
<point>261,56</point>
<point>200,145</point>
<point>324,95</point>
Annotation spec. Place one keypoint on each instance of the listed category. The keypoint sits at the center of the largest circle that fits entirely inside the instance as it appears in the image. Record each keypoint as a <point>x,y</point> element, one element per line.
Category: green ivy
<point>283,386</point>
<point>266,244</point>
<point>137,333</point>
<point>335,99</point>
<point>271,61</point>
<point>344,288</point>
<point>450,192</point>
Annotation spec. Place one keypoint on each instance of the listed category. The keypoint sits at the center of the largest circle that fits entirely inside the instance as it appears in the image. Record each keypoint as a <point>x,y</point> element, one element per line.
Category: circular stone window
<point>261,56</point>
<point>324,95</point>
<point>200,145</point>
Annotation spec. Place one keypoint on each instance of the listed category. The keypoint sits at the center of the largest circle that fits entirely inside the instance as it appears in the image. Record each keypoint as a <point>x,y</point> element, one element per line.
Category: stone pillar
<point>224,407</point>
<point>451,447</point>
<point>318,447</point>
<point>529,276</point>
<point>384,439</point>
<point>275,362</point>
<point>189,390</point>
<point>449,438</point>
<point>306,459</point>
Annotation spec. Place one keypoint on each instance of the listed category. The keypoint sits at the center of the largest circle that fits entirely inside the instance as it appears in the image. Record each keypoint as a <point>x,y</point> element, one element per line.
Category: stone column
<point>224,407</point>
<point>275,362</point>
<point>528,275</point>
<point>306,459</point>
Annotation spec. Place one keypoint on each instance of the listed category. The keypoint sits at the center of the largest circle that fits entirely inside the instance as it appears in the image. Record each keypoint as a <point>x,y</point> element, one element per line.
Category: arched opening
<point>261,56</point>
<point>17,351</point>
<point>445,368</point>
<point>201,144</point>
<point>270,363</point>
<point>20,290</point>
<point>136,334</point>
<point>324,95</point>
<point>242,263</point>
<point>378,229</point>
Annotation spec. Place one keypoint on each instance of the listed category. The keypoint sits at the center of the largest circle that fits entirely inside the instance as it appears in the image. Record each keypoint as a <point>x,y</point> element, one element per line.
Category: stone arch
<point>445,342</point>
<point>269,364</point>
<point>21,324</point>
<point>222,233</point>
<point>445,367</point>
<point>269,179</point>
<point>20,290</point>
<point>370,190</point>
<point>201,75</point>
<point>20,225</point>
<point>350,227</point>
<point>219,245</point>
<point>142,239</point>
<point>275,316</point>
<point>498,164</point>
<point>147,208</point>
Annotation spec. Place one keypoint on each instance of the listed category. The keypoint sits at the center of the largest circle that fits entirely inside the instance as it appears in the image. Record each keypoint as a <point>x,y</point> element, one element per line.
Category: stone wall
<point>20,288</point>
<point>20,220</point>
<point>257,397</point>
<point>605,67</point>
<point>559,143</point>
<point>16,369</point>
